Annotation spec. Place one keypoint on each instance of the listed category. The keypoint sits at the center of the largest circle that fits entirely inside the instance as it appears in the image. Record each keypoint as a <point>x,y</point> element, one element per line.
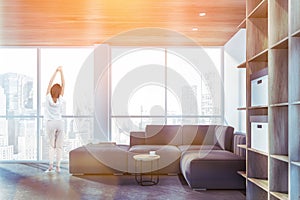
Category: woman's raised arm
<point>51,81</point>
<point>62,81</point>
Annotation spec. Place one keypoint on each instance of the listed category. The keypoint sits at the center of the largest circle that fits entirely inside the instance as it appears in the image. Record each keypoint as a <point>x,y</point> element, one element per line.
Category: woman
<point>54,123</point>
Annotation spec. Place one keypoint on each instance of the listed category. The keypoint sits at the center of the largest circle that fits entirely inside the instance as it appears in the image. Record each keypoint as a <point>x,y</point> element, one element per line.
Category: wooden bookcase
<point>294,99</point>
<point>273,42</point>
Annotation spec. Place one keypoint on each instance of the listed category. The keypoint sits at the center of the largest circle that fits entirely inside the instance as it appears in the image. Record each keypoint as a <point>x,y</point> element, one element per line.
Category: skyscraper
<point>18,91</point>
<point>189,103</point>
<point>6,151</point>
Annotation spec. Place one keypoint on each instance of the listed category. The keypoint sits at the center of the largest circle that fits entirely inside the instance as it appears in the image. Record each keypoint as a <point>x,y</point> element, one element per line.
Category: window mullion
<point>166,85</point>
<point>38,103</point>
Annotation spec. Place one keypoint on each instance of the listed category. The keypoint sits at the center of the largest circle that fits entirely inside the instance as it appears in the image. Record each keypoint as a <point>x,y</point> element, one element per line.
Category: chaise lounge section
<point>212,159</point>
<point>102,158</point>
<point>215,169</point>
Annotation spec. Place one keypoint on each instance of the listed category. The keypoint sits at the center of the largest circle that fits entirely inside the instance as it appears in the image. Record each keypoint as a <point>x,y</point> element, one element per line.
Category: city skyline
<point>18,125</point>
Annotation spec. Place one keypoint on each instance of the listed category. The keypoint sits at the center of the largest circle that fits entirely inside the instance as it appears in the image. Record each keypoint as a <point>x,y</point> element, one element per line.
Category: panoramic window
<point>147,86</point>
<point>193,74</point>
<point>24,77</point>
<point>18,104</point>
<point>163,86</point>
<point>138,88</point>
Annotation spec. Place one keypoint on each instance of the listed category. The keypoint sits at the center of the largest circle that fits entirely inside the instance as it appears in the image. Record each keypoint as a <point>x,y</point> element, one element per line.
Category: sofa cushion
<point>169,157</point>
<point>210,155</point>
<point>184,148</point>
<point>198,134</point>
<point>223,137</point>
<point>163,135</point>
<point>157,148</point>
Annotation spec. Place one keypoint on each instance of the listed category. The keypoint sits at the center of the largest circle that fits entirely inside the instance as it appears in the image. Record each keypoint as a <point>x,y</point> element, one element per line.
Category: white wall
<point>235,81</point>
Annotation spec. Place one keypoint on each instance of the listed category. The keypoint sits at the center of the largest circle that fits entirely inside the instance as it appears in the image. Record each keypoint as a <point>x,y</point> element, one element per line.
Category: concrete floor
<point>29,181</point>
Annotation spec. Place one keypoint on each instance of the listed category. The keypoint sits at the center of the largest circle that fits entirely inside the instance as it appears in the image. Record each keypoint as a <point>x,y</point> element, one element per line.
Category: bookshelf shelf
<point>243,146</point>
<point>258,152</point>
<point>262,56</point>
<point>279,195</point>
<point>242,24</point>
<point>242,65</point>
<point>279,104</point>
<point>296,103</point>
<point>263,184</point>
<point>261,11</point>
<point>258,107</point>
<point>280,157</point>
<point>296,34</point>
<point>242,173</point>
<point>282,44</point>
<point>296,163</point>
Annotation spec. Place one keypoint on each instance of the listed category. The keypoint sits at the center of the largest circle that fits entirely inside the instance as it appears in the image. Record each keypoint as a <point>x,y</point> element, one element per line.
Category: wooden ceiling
<point>119,22</point>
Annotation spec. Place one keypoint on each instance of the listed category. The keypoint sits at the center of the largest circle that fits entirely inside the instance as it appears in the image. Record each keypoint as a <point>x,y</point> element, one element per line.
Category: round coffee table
<point>142,169</point>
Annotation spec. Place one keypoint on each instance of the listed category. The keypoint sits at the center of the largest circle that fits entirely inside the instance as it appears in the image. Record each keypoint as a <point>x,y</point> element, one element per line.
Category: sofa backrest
<point>224,136</point>
<point>198,134</point>
<point>137,138</point>
<point>163,134</point>
<point>208,135</point>
<point>219,135</point>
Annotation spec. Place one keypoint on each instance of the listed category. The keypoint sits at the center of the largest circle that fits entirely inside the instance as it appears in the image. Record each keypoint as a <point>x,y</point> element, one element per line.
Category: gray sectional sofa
<point>206,155</point>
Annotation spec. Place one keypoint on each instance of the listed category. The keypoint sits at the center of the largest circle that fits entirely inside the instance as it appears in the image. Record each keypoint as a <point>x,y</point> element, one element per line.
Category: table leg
<point>154,179</point>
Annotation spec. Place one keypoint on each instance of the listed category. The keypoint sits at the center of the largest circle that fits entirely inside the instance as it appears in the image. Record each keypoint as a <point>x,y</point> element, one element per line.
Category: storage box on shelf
<point>259,133</point>
<point>259,88</point>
